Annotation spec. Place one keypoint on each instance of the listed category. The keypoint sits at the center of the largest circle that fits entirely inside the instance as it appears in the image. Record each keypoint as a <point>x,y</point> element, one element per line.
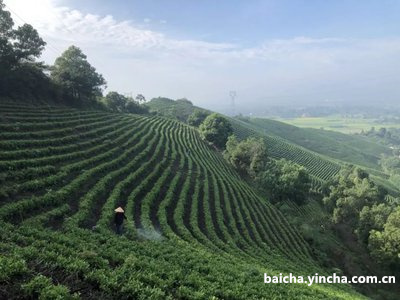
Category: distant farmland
<point>338,123</point>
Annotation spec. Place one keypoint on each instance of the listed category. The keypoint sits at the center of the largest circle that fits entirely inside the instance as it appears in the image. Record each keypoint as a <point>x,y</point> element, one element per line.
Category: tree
<point>115,102</point>
<point>73,72</point>
<point>280,180</point>
<point>247,156</point>
<point>119,103</point>
<point>372,218</point>
<point>347,195</point>
<point>18,50</point>
<point>216,129</point>
<point>385,245</point>
<point>294,181</point>
<point>140,98</point>
<point>134,107</point>
<point>285,180</point>
<point>17,45</point>
<point>197,117</point>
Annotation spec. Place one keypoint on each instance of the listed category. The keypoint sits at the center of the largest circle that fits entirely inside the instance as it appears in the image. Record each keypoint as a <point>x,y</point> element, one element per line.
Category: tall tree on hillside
<point>73,72</point>
<point>115,101</point>
<point>348,193</point>
<point>284,180</point>
<point>140,98</point>
<point>385,244</point>
<point>216,130</point>
<point>197,117</point>
<point>247,156</point>
<point>19,47</point>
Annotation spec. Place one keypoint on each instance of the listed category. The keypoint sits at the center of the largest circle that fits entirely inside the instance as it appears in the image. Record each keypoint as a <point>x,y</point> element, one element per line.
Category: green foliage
<point>184,101</point>
<point>356,201</point>
<point>194,229</point>
<point>36,285</point>
<point>134,107</point>
<point>140,98</point>
<point>348,193</point>
<point>115,102</point>
<point>386,136</point>
<point>76,76</point>
<point>385,245</point>
<point>391,164</point>
<point>349,148</point>
<point>17,45</point>
<point>42,288</point>
<point>248,156</point>
<point>372,218</point>
<point>280,180</point>
<point>11,266</point>
<point>284,180</point>
<point>119,103</point>
<point>197,117</point>
<point>321,168</point>
<point>20,75</point>
<point>180,109</point>
<point>216,129</point>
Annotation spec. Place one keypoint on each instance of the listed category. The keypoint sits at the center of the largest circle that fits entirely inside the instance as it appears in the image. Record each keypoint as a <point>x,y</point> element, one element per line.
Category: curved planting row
<point>319,167</point>
<point>169,181</point>
<point>194,229</point>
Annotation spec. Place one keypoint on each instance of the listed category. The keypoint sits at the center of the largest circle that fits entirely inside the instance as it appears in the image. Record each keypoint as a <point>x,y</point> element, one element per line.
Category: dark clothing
<point>119,218</point>
<point>119,228</point>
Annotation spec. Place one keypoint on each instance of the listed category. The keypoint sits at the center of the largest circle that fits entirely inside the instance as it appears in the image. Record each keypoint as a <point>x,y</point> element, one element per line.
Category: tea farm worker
<point>119,219</point>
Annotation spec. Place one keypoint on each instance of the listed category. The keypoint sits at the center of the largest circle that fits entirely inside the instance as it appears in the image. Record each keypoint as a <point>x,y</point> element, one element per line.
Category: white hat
<point>119,209</point>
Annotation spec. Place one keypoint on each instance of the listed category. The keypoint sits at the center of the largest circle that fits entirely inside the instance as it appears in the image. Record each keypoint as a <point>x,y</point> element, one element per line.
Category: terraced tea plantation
<point>319,167</point>
<point>194,229</point>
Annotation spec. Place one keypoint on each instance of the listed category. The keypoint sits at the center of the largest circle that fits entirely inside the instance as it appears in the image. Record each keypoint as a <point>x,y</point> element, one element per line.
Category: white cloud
<point>136,59</point>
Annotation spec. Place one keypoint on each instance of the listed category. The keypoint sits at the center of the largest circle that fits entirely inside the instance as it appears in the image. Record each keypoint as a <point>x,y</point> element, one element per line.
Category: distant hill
<point>349,148</point>
<point>322,158</point>
<point>179,109</point>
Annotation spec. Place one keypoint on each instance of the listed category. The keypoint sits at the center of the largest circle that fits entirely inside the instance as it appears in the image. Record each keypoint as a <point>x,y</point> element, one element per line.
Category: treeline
<point>72,80</point>
<point>357,202</point>
<point>386,136</point>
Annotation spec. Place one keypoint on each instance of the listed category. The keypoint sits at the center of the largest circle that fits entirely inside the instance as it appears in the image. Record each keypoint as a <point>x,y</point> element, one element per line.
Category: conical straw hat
<point>119,209</point>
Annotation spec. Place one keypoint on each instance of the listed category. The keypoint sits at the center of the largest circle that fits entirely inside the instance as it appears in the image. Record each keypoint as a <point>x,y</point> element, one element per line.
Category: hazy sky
<point>292,52</point>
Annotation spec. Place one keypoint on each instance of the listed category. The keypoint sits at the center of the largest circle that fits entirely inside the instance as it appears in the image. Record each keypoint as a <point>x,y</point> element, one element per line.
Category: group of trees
<point>356,201</point>
<point>120,103</point>
<point>21,75</point>
<point>279,179</point>
<point>71,80</point>
<point>197,117</point>
<point>19,47</point>
<point>384,242</point>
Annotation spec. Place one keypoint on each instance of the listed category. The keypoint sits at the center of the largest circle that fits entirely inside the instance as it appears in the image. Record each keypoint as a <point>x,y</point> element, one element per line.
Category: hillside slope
<point>349,148</point>
<point>321,168</point>
<point>321,152</point>
<point>194,230</point>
